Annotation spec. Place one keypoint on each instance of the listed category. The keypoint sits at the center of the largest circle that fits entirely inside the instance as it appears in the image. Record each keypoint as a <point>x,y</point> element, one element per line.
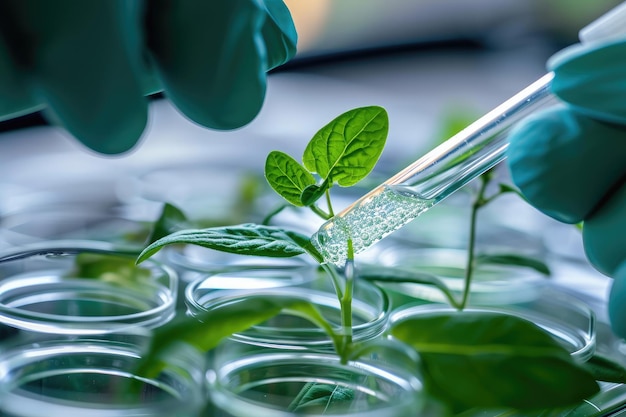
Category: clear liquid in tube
<point>370,220</point>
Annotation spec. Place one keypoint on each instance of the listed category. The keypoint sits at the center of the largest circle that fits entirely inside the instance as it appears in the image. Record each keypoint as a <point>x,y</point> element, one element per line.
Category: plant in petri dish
<point>493,361</point>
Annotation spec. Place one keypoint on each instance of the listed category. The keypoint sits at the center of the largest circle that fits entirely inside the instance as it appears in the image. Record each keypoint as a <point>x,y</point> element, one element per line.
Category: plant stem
<point>479,201</point>
<point>344,295</point>
<point>329,204</point>
<point>320,212</point>
<point>346,300</point>
<point>273,213</point>
<point>336,279</point>
<point>346,321</point>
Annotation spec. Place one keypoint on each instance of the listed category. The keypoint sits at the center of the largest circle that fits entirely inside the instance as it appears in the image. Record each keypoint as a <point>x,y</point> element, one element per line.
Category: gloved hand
<point>570,162</point>
<point>89,64</point>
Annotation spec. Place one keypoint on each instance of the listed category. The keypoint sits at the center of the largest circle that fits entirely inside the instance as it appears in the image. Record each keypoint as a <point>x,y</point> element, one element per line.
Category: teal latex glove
<point>89,64</point>
<point>570,162</point>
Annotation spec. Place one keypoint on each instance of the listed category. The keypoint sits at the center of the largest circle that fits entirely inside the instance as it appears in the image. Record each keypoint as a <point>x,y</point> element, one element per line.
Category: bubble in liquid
<point>368,222</point>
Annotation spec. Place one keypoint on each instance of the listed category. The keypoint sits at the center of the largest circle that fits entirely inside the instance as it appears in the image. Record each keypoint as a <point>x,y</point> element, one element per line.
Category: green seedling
<point>467,360</point>
<point>341,153</point>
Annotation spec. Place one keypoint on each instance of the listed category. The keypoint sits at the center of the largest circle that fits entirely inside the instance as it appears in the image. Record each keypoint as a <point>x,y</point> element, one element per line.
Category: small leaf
<point>287,177</point>
<point>485,359</point>
<point>243,239</point>
<point>506,188</point>
<point>515,260</point>
<point>171,219</point>
<point>319,398</point>
<point>347,149</point>
<point>312,193</point>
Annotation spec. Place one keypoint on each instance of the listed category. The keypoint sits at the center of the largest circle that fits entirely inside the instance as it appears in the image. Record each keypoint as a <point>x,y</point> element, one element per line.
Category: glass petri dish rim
<point>20,361</point>
<point>178,257</point>
<point>488,286</point>
<point>289,337</point>
<point>586,337</point>
<point>74,218</point>
<point>222,396</point>
<point>87,325</point>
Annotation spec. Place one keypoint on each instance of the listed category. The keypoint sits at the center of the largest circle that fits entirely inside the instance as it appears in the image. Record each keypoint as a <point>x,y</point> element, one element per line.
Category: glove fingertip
<point>536,172</point>
<point>565,163</point>
<point>604,233</point>
<point>122,140</point>
<point>617,304</point>
<point>117,138</point>
<point>211,60</point>
<point>279,33</point>
<point>590,77</point>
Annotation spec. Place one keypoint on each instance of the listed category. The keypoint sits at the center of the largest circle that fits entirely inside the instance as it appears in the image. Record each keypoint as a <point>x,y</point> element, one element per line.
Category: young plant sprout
<point>343,152</point>
<point>461,353</point>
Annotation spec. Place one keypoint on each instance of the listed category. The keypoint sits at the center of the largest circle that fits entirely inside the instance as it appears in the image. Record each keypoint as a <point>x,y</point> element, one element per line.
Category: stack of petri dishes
<point>77,318</point>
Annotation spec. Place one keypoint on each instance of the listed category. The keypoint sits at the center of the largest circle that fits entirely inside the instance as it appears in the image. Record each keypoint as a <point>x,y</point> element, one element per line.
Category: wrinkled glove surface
<point>570,161</point>
<point>89,64</point>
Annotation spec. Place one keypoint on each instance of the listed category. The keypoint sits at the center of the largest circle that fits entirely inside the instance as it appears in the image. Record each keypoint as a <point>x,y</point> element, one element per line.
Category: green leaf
<point>319,397</point>
<point>171,219</point>
<point>485,359</point>
<point>312,193</point>
<point>243,239</point>
<point>310,312</point>
<point>347,149</point>
<point>506,188</point>
<point>606,369</point>
<point>287,177</point>
<point>304,242</point>
<point>515,260</point>
<point>115,269</point>
<point>390,275</point>
<point>207,329</point>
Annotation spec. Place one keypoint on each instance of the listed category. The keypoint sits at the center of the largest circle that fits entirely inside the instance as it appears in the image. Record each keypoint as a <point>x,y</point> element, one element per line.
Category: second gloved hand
<point>89,64</point>
<point>570,161</point>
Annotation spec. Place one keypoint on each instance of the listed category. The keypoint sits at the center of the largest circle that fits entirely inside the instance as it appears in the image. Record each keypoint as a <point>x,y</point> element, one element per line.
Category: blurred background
<point>337,27</point>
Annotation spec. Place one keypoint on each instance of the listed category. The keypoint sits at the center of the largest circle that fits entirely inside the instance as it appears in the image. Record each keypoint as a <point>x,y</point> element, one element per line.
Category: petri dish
<point>274,384</point>
<point>370,307</point>
<point>83,287</point>
<point>95,377</point>
<point>570,321</point>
